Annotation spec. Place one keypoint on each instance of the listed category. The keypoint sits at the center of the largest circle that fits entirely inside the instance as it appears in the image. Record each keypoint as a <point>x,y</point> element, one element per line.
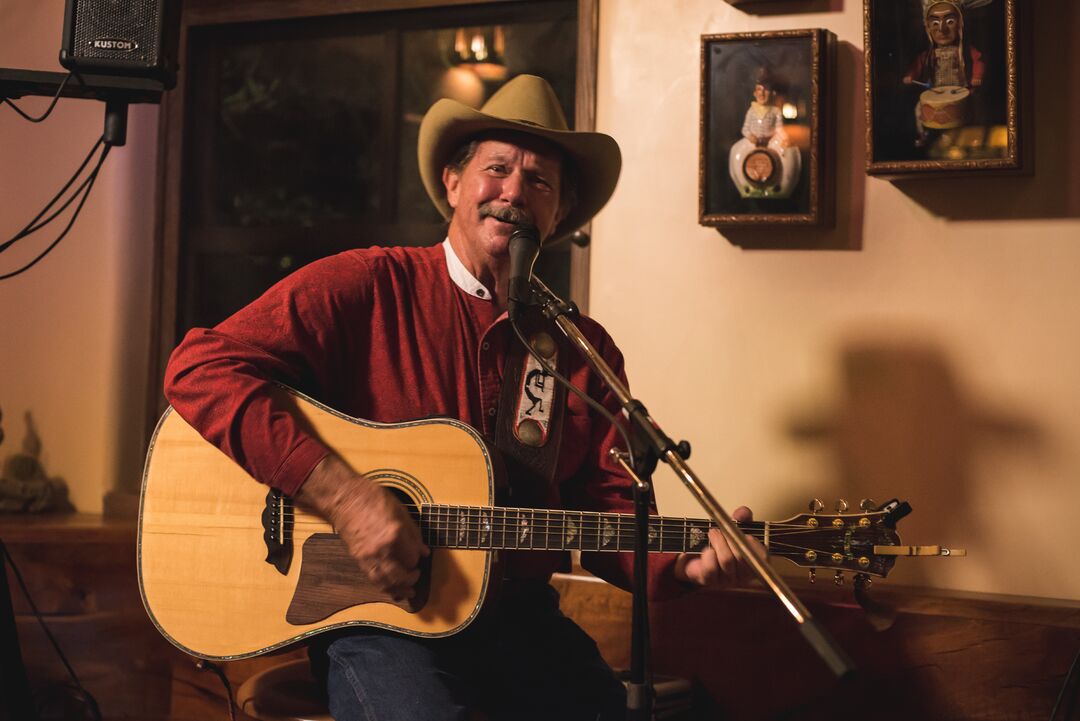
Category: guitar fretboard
<point>492,528</point>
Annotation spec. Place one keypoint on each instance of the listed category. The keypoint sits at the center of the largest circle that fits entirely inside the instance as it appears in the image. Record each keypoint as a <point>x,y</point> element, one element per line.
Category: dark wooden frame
<point>823,49</point>
<point>170,187</point>
<point>1014,101</point>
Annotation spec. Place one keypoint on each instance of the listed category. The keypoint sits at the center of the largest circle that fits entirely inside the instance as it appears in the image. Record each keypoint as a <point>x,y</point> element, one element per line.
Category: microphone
<point>524,247</point>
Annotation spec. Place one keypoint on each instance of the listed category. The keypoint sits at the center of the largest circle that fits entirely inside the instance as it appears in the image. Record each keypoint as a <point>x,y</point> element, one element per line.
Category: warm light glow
<point>463,85</point>
<point>479,48</point>
<point>790,111</point>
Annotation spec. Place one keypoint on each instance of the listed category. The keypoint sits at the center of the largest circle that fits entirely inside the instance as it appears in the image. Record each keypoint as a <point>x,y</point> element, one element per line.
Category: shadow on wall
<point>1053,190</point>
<point>844,177</point>
<point>905,427</point>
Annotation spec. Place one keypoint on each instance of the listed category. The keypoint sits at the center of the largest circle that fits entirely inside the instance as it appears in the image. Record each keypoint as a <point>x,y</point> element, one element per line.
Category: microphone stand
<point>656,445</point>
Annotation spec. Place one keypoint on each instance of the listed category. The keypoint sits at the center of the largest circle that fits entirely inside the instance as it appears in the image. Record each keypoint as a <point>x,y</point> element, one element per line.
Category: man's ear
<point>452,181</point>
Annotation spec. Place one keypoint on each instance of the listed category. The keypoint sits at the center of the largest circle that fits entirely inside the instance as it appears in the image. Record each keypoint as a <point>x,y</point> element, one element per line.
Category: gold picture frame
<point>943,88</point>
<point>766,128</point>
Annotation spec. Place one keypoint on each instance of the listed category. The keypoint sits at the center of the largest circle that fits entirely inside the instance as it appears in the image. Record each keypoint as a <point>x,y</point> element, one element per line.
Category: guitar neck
<point>496,528</point>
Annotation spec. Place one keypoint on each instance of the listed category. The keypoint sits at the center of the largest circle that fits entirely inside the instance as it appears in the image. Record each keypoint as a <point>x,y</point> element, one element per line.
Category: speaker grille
<point>118,30</point>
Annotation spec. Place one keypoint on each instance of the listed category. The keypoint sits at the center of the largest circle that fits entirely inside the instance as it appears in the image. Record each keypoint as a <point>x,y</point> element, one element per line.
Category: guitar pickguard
<point>331,581</point>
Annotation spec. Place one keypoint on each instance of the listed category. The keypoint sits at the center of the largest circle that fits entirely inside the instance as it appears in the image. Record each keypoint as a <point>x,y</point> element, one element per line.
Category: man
<point>394,334</point>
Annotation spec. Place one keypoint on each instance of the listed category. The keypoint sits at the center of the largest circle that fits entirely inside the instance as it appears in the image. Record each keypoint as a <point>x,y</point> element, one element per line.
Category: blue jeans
<point>521,660</point>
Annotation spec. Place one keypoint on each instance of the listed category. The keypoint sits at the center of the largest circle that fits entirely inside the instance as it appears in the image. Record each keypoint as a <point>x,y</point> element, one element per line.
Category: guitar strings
<point>442,523</point>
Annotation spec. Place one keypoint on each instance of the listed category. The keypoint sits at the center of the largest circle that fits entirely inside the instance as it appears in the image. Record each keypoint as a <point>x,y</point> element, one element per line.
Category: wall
<point>74,329</point>
<point>925,347</point>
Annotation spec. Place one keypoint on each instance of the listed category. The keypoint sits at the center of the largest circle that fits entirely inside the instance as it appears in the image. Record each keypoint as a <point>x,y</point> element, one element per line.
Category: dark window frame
<point>175,137</point>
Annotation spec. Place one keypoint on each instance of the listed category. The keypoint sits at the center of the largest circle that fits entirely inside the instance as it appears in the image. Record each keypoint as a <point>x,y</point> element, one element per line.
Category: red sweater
<point>385,334</point>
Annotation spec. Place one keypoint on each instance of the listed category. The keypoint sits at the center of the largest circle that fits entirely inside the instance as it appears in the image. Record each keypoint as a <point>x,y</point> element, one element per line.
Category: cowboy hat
<point>526,104</point>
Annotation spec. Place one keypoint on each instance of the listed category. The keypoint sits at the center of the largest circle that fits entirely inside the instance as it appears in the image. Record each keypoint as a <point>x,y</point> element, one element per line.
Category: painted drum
<point>944,107</point>
<point>764,172</point>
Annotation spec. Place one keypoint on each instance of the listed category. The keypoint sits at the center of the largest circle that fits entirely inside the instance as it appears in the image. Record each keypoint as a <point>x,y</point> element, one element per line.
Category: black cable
<point>30,230</point>
<point>48,110</point>
<point>574,389</point>
<point>1064,687</point>
<point>204,665</point>
<point>92,178</point>
<point>30,226</point>
<point>91,703</point>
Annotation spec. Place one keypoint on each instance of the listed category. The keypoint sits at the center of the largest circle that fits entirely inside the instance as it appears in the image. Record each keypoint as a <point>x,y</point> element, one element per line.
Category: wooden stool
<point>286,692</point>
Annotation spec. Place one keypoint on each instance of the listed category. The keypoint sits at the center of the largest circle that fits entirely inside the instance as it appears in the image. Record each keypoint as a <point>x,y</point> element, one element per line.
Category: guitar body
<point>203,573</point>
<point>228,569</point>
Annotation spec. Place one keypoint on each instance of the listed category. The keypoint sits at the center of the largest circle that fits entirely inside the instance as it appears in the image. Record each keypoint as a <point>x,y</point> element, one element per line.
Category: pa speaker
<point>136,38</point>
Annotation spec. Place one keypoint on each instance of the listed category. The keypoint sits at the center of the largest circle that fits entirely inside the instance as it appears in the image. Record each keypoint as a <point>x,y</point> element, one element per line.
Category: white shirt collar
<point>461,276</point>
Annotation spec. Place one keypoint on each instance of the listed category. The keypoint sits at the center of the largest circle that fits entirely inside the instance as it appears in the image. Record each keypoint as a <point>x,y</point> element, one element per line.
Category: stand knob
<point>684,450</point>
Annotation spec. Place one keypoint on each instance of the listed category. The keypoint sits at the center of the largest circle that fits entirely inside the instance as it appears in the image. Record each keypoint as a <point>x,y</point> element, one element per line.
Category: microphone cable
<point>48,110</point>
<point>595,405</point>
<point>82,190</point>
<point>90,704</point>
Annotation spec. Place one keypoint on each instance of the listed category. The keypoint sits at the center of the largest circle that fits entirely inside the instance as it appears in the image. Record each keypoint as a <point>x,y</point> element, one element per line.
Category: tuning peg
<point>816,505</point>
<point>813,575</point>
<point>867,504</point>
<point>838,579</point>
<point>841,505</point>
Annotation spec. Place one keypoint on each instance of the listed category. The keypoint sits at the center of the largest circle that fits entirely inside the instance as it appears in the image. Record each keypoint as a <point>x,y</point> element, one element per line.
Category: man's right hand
<point>377,530</point>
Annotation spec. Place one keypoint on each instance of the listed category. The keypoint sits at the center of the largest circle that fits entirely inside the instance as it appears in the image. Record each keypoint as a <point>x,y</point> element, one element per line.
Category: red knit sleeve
<point>602,485</point>
<point>224,381</point>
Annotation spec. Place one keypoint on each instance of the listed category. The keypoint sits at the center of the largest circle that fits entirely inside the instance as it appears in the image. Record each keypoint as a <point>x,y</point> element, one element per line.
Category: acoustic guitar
<point>228,570</point>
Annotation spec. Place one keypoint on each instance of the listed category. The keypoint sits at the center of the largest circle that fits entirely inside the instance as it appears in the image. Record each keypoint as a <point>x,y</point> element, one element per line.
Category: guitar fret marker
<point>609,532</point>
<point>697,537</point>
<point>524,530</point>
<point>571,530</point>
<point>485,527</point>
<point>463,526</point>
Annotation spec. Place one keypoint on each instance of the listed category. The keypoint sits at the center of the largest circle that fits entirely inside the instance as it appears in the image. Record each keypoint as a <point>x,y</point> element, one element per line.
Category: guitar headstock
<point>840,541</point>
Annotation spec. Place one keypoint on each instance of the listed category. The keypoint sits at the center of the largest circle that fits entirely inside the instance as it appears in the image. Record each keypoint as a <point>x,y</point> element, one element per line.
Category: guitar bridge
<point>277,523</point>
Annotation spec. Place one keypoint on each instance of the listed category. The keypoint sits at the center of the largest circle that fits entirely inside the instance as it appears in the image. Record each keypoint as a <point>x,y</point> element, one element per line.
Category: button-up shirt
<point>388,334</point>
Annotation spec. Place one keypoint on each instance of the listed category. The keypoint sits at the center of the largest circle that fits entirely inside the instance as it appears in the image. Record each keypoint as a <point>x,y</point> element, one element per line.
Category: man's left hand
<point>720,564</point>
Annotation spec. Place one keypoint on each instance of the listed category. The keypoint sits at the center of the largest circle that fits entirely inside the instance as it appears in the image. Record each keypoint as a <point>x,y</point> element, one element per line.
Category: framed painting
<point>765,127</point>
<point>942,86</point>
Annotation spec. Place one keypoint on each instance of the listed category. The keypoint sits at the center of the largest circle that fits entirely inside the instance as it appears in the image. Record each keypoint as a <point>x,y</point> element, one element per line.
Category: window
<point>300,135</point>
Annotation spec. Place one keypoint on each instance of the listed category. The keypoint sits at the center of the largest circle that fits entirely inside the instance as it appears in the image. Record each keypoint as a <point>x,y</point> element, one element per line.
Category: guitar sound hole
<point>407,501</point>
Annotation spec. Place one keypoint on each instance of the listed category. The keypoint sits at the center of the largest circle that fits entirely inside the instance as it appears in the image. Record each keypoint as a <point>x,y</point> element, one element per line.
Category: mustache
<point>507,214</point>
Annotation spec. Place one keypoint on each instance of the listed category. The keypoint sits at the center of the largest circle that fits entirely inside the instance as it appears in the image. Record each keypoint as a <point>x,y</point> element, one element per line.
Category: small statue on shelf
<point>762,164</point>
<point>950,69</point>
<point>24,485</point>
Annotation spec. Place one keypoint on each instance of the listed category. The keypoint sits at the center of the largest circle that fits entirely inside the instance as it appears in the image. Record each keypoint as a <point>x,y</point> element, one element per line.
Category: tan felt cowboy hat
<point>526,104</point>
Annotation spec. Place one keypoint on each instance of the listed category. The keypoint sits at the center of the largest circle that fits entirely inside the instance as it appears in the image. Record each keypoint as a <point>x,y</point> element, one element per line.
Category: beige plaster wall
<point>74,329</point>
<point>926,348</point>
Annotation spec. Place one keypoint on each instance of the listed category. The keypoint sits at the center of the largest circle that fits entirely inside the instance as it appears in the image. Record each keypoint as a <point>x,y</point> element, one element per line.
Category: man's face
<point>943,21</point>
<point>502,184</point>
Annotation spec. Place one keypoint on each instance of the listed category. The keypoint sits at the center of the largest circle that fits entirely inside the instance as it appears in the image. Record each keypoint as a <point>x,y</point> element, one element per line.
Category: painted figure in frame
<point>762,163</point>
<point>951,69</point>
